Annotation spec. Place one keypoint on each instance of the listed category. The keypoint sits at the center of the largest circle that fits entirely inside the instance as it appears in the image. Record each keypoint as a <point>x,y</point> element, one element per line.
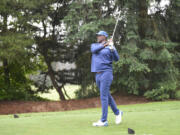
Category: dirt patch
<point>12,107</point>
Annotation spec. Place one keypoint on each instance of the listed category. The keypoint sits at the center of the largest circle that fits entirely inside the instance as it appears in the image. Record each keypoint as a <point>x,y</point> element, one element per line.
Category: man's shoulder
<point>95,43</point>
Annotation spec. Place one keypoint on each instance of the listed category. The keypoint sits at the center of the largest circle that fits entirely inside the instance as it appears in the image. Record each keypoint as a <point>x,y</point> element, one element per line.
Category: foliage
<point>16,54</point>
<point>34,34</point>
<point>148,56</point>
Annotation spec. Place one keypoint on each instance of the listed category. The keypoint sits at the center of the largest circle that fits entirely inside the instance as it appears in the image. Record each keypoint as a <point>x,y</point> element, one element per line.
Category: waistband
<point>100,72</point>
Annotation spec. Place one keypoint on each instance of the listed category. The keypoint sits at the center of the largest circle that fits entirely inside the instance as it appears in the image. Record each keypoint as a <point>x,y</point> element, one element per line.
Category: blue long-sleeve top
<point>102,57</point>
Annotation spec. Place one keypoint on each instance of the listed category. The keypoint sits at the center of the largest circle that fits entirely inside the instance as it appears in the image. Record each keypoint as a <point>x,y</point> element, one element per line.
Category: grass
<point>157,118</point>
<point>53,95</point>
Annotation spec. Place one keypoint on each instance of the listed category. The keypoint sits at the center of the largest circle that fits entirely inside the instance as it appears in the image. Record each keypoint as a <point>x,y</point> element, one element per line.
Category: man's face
<point>100,38</point>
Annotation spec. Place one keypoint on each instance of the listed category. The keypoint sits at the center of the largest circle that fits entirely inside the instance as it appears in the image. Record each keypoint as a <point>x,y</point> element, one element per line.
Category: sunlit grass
<point>53,95</point>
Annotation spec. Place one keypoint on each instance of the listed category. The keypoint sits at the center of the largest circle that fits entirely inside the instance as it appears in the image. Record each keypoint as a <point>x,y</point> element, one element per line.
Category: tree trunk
<point>6,72</point>
<point>65,92</point>
<point>5,61</point>
<point>53,79</point>
<point>143,18</point>
<point>50,70</point>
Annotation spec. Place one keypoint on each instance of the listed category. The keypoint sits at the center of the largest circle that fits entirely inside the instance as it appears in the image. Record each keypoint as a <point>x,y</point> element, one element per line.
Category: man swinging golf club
<point>103,54</point>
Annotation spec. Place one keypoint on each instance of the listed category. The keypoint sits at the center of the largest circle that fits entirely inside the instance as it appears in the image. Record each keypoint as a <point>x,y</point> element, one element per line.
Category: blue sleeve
<point>115,55</point>
<point>95,48</point>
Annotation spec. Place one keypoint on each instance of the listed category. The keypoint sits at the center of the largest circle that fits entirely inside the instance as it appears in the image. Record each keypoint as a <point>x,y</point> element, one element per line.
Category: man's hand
<point>106,44</point>
<point>109,42</point>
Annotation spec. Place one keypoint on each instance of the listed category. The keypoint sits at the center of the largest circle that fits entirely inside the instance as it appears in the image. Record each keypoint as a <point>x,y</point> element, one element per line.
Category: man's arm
<point>95,48</point>
<point>115,55</point>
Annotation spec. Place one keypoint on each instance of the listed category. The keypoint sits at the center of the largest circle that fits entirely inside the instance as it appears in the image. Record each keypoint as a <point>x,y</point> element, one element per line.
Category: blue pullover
<point>102,57</point>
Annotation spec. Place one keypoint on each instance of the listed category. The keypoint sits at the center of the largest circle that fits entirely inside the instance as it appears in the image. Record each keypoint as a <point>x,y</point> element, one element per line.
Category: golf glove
<point>111,46</point>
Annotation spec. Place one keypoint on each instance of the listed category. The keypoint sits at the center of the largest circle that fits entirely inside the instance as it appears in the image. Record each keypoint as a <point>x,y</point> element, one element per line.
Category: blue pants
<point>103,81</point>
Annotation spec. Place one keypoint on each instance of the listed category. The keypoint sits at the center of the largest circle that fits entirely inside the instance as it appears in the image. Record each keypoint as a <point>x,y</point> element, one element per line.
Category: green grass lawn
<point>158,118</point>
<point>53,95</point>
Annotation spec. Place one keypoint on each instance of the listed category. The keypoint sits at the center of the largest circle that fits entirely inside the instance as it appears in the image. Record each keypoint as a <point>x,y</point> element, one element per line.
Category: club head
<point>16,116</point>
<point>131,131</point>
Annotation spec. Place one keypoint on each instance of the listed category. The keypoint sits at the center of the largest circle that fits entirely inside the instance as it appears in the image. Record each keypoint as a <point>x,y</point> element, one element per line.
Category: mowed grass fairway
<point>157,118</point>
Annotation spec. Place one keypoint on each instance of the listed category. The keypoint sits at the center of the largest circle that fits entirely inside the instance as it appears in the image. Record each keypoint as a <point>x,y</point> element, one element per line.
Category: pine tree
<point>15,54</point>
<point>147,55</point>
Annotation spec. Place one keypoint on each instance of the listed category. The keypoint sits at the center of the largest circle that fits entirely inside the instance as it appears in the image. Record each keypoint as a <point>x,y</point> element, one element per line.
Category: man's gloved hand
<point>111,44</point>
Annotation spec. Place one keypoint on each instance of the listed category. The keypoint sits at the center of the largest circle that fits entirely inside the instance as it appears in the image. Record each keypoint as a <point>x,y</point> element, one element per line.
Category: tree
<point>147,55</point>
<point>15,54</point>
<point>35,34</point>
<point>83,20</point>
<point>50,38</point>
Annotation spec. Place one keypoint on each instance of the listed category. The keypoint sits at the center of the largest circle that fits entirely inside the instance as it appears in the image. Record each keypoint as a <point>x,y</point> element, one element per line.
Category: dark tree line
<point>34,34</point>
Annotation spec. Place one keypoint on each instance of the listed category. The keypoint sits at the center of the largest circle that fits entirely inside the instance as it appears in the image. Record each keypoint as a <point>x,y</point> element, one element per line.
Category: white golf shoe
<point>100,124</point>
<point>119,118</point>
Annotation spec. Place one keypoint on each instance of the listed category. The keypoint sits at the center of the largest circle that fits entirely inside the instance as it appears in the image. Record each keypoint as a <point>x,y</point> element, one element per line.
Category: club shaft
<point>116,26</point>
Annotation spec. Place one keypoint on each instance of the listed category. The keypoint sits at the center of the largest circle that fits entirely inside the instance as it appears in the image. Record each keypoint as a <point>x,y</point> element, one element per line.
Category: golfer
<point>103,54</point>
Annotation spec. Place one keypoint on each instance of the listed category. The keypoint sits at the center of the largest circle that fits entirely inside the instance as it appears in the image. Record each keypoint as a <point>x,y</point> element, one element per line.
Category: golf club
<point>115,26</point>
<point>111,43</point>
